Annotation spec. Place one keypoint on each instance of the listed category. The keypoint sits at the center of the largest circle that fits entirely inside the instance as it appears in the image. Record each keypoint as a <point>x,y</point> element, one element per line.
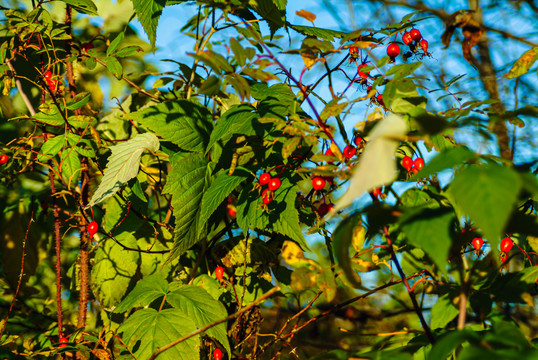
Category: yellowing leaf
<point>306,15</point>
<point>293,254</point>
<point>363,44</point>
<point>359,233</point>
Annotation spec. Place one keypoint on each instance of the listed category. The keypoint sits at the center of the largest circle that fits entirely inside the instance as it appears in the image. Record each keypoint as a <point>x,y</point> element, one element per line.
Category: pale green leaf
<point>123,165</point>
<point>51,147</point>
<point>82,6</point>
<point>377,165</point>
<point>202,309</point>
<point>113,269</point>
<point>149,12</point>
<point>148,330</point>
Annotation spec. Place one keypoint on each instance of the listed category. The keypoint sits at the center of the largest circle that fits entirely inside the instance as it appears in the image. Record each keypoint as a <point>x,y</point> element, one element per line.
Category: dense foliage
<point>266,199</point>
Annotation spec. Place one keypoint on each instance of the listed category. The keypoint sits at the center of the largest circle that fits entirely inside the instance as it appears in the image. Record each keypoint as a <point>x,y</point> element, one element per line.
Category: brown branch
<point>21,274</point>
<point>215,323</point>
<point>57,237</point>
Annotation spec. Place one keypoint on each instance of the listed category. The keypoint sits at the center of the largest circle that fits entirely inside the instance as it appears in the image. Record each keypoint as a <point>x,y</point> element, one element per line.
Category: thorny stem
<point>57,237</point>
<point>410,291</point>
<point>21,274</point>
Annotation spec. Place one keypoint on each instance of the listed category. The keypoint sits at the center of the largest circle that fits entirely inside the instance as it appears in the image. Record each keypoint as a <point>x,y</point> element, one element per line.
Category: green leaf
<point>187,182</point>
<point>271,13</point>
<point>238,120</point>
<point>144,293</point>
<point>395,95</point>
<point>54,118</point>
<point>115,44</point>
<point>430,230</point>
<point>51,147</point>
<point>81,121</point>
<point>333,109</point>
<point>281,215</point>
<point>185,123</point>
<point>290,146</point>
<point>114,66</point>
<point>123,165</point>
<point>523,64</point>
<point>148,330</point>
<point>202,309</point>
<point>83,6</point>
<point>113,269</point>
<point>128,51</point>
<point>219,190</point>
<point>443,312</point>
<point>447,159</point>
<point>320,33</point>
<point>487,194</point>
<point>78,101</point>
<point>402,70</point>
<point>149,12</point>
<point>70,166</point>
<point>342,238</point>
<point>450,342</point>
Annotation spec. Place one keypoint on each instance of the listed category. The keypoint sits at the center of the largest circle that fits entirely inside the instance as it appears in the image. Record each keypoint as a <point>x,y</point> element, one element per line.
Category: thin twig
<point>215,323</point>
<point>21,274</point>
<point>410,291</point>
<point>21,91</point>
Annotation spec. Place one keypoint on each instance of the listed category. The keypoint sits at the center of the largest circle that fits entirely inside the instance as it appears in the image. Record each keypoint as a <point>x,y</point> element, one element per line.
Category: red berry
<point>274,184</point>
<point>353,51</point>
<point>419,163</point>
<point>52,84</point>
<point>219,273</point>
<point>414,170</point>
<point>318,183</point>
<point>477,243</point>
<point>349,151</point>
<point>63,340</point>
<point>217,354</point>
<point>48,75</point>
<point>264,178</point>
<point>376,192</point>
<point>87,46</point>
<point>406,38</point>
<point>407,163</point>
<point>357,141</point>
<point>379,99</point>
<point>506,245</point>
<point>424,45</point>
<point>92,228</point>
<point>393,50</point>
<point>415,34</point>
<point>362,74</point>
<point>232,210</point>
<point>3,159</point>
<point>329,152</point>
<point>267,196</point>
<point>324,209</point>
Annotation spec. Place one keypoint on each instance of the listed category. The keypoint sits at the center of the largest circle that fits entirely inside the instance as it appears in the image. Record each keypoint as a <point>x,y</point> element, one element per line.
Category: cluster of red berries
<point>52,83</point>
<point>412,166</point>
<point>86,47</point>
<point>272,185</point>
<point>3,159</point>
<point>413,39</point>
